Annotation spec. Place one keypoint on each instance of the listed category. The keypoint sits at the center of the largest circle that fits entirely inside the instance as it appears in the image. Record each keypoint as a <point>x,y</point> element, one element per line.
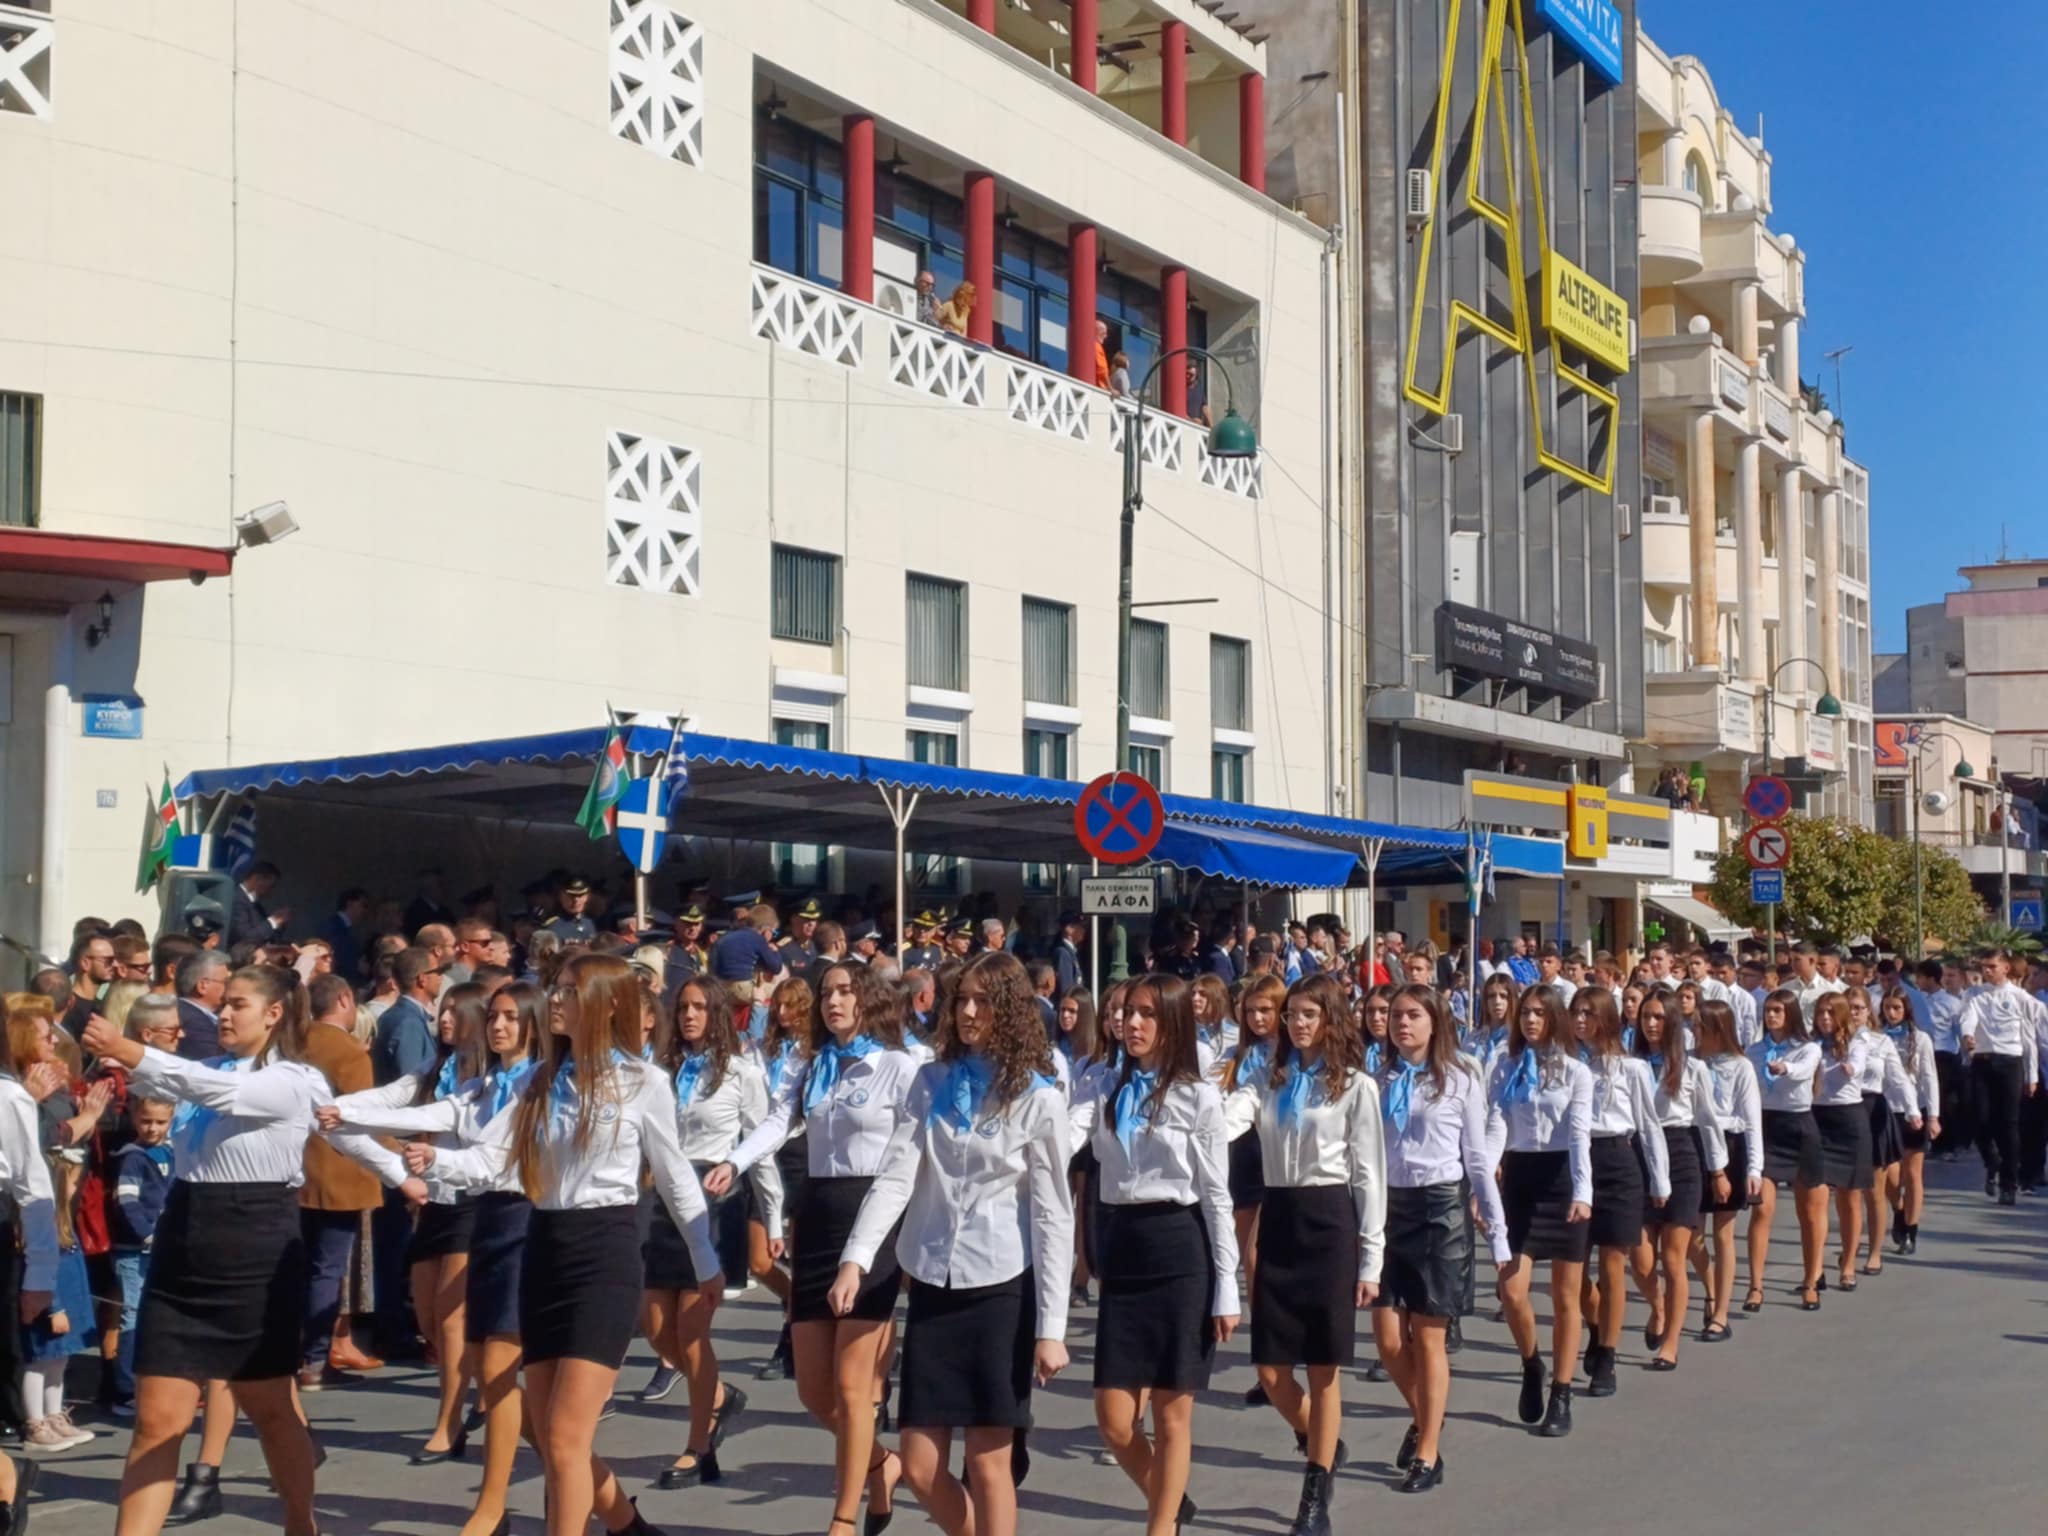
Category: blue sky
<point>1907,162</point>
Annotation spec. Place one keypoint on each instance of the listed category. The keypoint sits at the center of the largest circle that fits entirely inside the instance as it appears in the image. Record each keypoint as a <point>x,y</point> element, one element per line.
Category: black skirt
<point>1792,1150</point>
<point>1429,1246</point>
<point>793,1162</point>
<point>824,1221</point>
<point>1247,1172</point>
<point>497,1245</point>
<point>1536,1188</point>
<point>1620,1187</point>
<point>1158,1299</point>
<point>1910,1140</point>
<point>579,1285</point>
<point>1688,1178</point>
<point>1886,1145</point>
<point>1304,1306</point>
<point>1844,1145</point>
<point>665,1259</point>
<point>967,1356</point>
<point>442,1230</point>
<point>1738,1178</point>
<point>226,1295</point>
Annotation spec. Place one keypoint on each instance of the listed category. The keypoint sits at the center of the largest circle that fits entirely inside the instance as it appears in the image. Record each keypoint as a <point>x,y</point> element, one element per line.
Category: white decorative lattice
<point>1241,477</point>
<point>1048,402</point>
<point>807,319</point>
<point>25,39</point>
<point>1162,443</point>
<point>653,515</point>
<point>657,70</point>
<point>937,363</point>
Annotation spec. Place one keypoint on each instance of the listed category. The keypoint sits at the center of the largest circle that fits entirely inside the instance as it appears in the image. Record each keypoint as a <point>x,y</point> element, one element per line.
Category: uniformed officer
<point>797,951</point>
<point>687,951</point>
<point>866,941</point>
<point>570,924</point>
<point>960,939</point>
<point>923,953</point>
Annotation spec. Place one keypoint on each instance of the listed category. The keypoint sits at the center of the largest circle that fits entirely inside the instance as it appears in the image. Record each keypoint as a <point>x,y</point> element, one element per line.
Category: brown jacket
<point>333,1183</point>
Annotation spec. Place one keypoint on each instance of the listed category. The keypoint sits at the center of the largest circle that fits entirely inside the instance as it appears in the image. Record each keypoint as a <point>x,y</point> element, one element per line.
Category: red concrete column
<point>1173,334</point>
<point>982,13</point>
<point>1173,81</point>
<point>1251,131</point>
<point>1081,249</point>
<point>1087,32</point>
<point>981,254</point>
<point>857,243</point>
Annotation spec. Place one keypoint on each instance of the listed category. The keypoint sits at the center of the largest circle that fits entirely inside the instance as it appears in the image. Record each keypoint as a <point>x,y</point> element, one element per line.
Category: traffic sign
<point>1127,896</point>
<point>1119,818</point>
<point>643,823</point>
<point>1767,797</point>
<point>2027,913</point>
<point>1766,887</point>
<point>1767,846</point>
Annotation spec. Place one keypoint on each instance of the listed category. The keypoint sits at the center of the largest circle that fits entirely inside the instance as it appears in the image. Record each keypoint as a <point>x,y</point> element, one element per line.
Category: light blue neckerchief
<point>690,1075</point>
<point>786,1056</point>
<point>958,1099</point>
<point>192,1119</point>
<point>1778,1050</point>
<point>1254,1061</point>
<point>446,1082</point>
<point>1898,1033</point>
<point>757,1020</point>
<point>1520,1088</point>
<point>1628,1037</point>
<point>1401,1091</point>
<point>562,1092</point>
<point>647,1051</point>
<point>1656,1061</point>
<point>1374,1055</point>
<point>1295,1092</point>
<point>502,1086</point>
<point>827,1064</point>
<point>1131,1107</point>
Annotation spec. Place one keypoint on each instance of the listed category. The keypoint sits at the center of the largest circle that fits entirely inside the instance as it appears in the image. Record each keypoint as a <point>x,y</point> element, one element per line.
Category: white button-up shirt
<point>1918,1062</point>
<point>2003,1021</point>
<point>252,1121</point>
<point>1739,1106</point>
<point>1332,1141</point>
<point>1811,992</point>
<point>372,1109</point>
<point>1445,1141</point>
<point>1692,1105</point>
<point>1940,1013</point>
<point>1625,1104</point>
<point>848,1132</point>
<point>1841,1072</point>
<point>1885,1073</point>
<point>1178,1155</point>
<point>1748,1025</point>
<point>25,1175</point>
<point>1557,1116</point>
<point>717,1120</point>
<point>1787,1084</point>
<point>981,1205</point>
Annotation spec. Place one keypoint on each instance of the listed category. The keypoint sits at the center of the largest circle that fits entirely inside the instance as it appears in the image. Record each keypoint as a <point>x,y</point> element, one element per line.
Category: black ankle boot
<point>1313,1518</point>
<point>1913,1237</point>
<point>1557,1423</point>
<point>1599,1371</point>
<point>199,1498</point>
<point>1531,1406</point>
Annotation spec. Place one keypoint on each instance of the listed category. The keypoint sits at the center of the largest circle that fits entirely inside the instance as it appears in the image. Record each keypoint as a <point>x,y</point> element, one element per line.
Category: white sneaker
<point>44,1438</point>
<point>62,1423</point>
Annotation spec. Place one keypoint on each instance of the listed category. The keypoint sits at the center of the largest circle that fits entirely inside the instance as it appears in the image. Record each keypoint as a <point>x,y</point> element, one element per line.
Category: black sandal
<point>1754,1301</point>
<point>876,1521</point>
<point>703,1468</point>
<point>1809,1298</point>
<point>1715,1333</point>
<point>724,1412</point>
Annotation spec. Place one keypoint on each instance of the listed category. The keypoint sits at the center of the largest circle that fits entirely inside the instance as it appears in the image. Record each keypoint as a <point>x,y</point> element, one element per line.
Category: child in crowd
<point>142,1182</point>
<point>66,1328</point>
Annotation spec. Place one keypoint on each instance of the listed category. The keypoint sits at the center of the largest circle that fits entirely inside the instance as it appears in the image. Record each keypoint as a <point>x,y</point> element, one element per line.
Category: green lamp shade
<point>1829,705</point>
<point>1964,770</point>
<point>1233,438</point>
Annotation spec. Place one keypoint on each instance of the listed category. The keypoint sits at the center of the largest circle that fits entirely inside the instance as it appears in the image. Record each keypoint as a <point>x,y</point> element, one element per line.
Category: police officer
<point>687,951</point>
<point>866,941</point>
<point>570,924</point>
<point>960,939</point>
<point>797,951</point>
<point>923,953</point>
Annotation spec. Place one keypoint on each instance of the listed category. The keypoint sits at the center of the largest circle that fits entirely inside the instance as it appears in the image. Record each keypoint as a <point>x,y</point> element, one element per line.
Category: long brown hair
<point>721,1033</point>
<point>1548,1001</point>
<point>1442,1057</point>
<point>532,1004</point>
<point>1173,1007</point>
<point>1845,1026</point>
<point>1217,995</point>
<point>603,1004</point>
<point>1260,989</point>
<point>1343,1050</point>
<point>1604,1039</point>
<point>1714,1029</point>
<point>1672,1044</point>
<point>276,984</point>
<point>470,1049</point>
<point>876,999</point>
<point>794,996</point>
<point>1109,1047</point>
<point>1084,1035</point>
<point>1787,1003</point>
<point>1016,1041</point>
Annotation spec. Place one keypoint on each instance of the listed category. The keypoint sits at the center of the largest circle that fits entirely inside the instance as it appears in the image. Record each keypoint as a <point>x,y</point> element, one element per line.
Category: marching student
<point>2000,1034</point>
<point>1374,1010</point>
<point>1892,1102</point>
<point>1844,1122</point>
<point>974,1201</point>
<point>1075,1049</point>
<point>1215,1026</point>
<point>1258,1012</point>
<point>227,1282</point>
<point>576,1137</point>
<point>1435,1110</point>
<point>514,1026</point>
<point>1631,1172</point>
<point>851,1098</point>
<point>782,1051</point>
<point>1698,1157</point>
<point>1322,1226</point>
<point>1905,1182</point>
<point>1738,1106</point>
<point>1786,1063</point>
<point>1169,1249</point>
<point>1539,1112</point>
<point>1938,1005</point>
<point>1487,1038</point>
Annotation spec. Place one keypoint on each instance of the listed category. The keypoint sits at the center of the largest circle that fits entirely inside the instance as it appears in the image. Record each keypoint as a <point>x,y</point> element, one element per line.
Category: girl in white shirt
<point>1322,1227</point>
<point>974,1201</point>
<point>1488,1037</point>
<point>1738,1108</point>
<point>227,1282</point>
<point>1258,1012</point>
<point>575,1139</point>
<point>1893,1104</point>
<point>1786,1063</point>
<point>1169,1249</point>
<point>1434,1108</point>
<point>783,1051</point>
<point>850,1098</point>
<point>1843,1120</point>
<point>1905,1182</point>
<point>1539,1112</point>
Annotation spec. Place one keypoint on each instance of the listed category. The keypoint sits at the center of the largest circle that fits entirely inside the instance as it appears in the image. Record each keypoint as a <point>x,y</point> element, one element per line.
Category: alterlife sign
<point>1593,28</point>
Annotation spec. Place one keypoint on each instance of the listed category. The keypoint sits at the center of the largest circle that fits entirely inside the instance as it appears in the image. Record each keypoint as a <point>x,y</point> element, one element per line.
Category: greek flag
<point>675,770</point>
<point>238,843</point>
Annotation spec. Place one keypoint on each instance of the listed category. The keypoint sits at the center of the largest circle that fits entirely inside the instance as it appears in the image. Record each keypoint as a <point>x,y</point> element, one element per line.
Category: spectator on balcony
<point>954,313</point>
<point>927,300</point>
<point>1198,396</point>
<point>1102,354</point>
<point>1120,376</point>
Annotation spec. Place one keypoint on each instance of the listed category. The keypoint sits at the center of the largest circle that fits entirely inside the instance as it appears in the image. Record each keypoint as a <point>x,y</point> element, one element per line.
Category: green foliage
<point>1837,881</point>
<point>1990,935</point>
<point>1949,907</point>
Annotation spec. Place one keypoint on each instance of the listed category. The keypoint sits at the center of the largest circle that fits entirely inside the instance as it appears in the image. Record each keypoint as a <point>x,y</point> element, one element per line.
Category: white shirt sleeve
<point>1649,1134</point>
<point>1579,1125</point>
<point>1211,1156</point>
<point>764,1176</point>
<point>1749,1104</point>
<point>1703,1118</point>
<point>1480,1162</point>
<point>1896,1080</point>
<point>253,1095</point>
<point>776,1126</point>
<point>26,1176</point>
<point>1368,1178</point>
<point>1052,1209</point>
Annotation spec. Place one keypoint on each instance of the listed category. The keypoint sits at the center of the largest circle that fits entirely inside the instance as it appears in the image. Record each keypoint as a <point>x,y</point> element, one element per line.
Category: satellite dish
<point>1936,802</point>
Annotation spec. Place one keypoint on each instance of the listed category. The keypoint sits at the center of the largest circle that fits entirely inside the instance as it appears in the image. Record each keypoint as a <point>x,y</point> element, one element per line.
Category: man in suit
<point>350,908</point>
<point>405,1034</point>
<point>202,982</point>
<point>250,922</point>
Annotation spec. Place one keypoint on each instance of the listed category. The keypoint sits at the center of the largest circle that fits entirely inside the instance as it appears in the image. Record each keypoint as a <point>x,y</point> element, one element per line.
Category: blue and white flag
<point>238,843</point>
<point>675,769</point>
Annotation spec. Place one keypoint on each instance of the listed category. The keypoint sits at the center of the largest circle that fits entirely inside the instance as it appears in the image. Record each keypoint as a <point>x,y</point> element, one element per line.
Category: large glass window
<point>804,596</point>
<point>801,866</point>
<point>20,419</point>
<point>1045,753</point>
<point>936,632</point>
<point>1230,683</point>
<point>1229,773</point>
<point>1148,763</point>
<point>1149,676</point>
<point>935,872</point>
<point>1048,652</point>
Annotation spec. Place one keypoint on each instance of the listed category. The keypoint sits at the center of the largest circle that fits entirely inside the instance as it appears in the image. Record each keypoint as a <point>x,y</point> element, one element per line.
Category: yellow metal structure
<point>1586,837</point>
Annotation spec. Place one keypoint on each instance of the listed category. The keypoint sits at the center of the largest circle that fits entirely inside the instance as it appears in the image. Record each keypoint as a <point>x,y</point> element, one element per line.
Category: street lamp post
<point>1827,705</point>
<point>1963,771</point>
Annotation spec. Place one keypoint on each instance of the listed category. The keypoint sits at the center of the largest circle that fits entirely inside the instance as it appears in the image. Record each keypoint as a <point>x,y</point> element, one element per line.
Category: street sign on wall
<point>1123,896</point>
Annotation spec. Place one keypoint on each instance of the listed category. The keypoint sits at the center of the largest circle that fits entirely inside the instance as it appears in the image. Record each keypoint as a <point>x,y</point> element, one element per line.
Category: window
<point>1660,652</point>
<point>803,595</point>
<point>1148,763</point>
<point>1230,683</point>
<point>1048,652</point>
<point>1149,677</point>
<point>935,872</point>
<point>939,748</point>
<point>801,866</point>
<point>936,633</point>
<point>1045,753</point>
<point>20,424</point>
<point>1227,774</point>
<point>1699,180</point>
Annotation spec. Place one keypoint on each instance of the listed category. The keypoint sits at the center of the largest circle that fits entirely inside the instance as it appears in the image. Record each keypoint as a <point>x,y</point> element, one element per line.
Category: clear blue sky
<point>1906,160</point>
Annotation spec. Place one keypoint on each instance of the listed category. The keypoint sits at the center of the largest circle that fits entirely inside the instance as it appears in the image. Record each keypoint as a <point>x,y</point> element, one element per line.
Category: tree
<point>1949,907</point>
<point>1837,881</point>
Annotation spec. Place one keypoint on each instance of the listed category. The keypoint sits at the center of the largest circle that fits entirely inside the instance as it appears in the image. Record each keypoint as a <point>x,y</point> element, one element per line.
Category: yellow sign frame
<point>1586,830</point>
<point>1568,323</point>
<point>1493,92</point>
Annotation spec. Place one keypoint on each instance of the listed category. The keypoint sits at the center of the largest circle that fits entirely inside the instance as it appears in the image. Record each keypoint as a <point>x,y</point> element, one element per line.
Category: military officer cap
<point>576,885</point>
<point>810,910</point>
<point>690,914</point>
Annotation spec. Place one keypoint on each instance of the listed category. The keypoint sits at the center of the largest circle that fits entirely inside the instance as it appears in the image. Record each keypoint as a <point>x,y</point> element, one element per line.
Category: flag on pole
<point>675,770</point>
<point>1486,864</point>
<point>238,843</point>
<point>158,833</point>
<point>599,813</point>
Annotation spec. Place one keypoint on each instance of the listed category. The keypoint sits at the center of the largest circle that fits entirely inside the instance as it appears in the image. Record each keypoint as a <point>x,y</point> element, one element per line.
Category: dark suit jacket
<point>202,1032</point>
<point>248,921</point>
<point>333,1183</point>
<point>405,1042</point>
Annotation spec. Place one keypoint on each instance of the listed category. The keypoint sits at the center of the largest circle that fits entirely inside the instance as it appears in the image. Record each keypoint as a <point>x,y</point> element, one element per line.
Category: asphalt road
<point>1913,1404</point>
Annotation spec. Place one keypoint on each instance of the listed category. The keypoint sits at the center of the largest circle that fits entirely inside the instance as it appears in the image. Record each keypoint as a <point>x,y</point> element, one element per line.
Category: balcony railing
<point>26,38</point>
<point>1048,401</point>
<point>1161,444</point>
<point>937,363</point>
<point>807,319</point>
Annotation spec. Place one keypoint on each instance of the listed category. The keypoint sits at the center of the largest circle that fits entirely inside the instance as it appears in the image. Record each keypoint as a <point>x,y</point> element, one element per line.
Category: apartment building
<point>1754,522</point>
<point>581,340</point>
<point>1982,653</point>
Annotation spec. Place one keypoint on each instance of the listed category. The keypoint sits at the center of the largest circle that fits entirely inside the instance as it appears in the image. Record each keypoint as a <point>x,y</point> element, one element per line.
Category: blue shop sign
<point>113,716</point>
<point>1593,27</point>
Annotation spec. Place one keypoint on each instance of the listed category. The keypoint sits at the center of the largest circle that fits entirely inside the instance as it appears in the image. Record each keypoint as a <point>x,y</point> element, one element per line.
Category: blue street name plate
<point>1766,886</point>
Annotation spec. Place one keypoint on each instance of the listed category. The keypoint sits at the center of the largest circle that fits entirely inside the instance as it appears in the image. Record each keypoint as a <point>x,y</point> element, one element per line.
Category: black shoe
<point>1557,1423</point>
<point>1256,1397</point>
<point>1423,1476</point>
<point>1377,1371</point>
<point>1715,1333</point>
<point>434,1458</point>
<point>1020,1457</point>
<point>780,1363</point>
<point>660,1384</point>
<point>727,1414</point>
<point>1530,1409</point>
<point>610,1410</point>
<point>1599,1371</point>
<point>1991,1185</point>
<point>1913,1238</point>
<point>703,1470</point>
<point>1404,1458</point>
<point>2008,1197</point>
<point>1313,1517</point>
<point>1343,1451</point>
<point>1454,1337</point>
<point>639,1527</point>
<point>1080,1297</point>
<point>199,1498</point>
<point>1661,1364</point>
<point>1899,1227</point>
<point>1186,1514</point>
<point>473,1421</point>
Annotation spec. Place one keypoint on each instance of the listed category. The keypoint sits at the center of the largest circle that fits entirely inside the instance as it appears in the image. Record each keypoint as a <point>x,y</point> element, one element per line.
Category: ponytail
<point>280,985</point>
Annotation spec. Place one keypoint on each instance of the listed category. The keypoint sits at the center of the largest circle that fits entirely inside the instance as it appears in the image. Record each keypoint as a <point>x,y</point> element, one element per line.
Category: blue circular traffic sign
<point>1119,818</point>
<point>1767,797</point>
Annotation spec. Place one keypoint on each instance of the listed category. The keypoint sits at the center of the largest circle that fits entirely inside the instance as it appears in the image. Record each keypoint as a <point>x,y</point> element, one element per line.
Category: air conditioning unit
<point>1666,506</point>
<point>1450,431</point>
<point>1421,195</point>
